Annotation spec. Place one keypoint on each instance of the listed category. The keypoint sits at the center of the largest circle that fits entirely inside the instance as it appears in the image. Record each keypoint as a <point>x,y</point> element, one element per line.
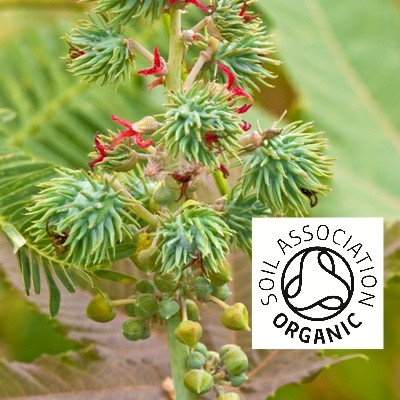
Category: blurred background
<point>340,68</point>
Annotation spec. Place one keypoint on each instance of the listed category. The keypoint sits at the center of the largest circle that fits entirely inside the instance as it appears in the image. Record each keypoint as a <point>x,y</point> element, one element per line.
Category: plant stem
<point>140,49</point>
<point>134,205</point>
<point>217,301</point>
<point>222,183</point>
<point>176,49</point>
<point>123,302</point>
<point>178,355</point>
<point>204,57</point>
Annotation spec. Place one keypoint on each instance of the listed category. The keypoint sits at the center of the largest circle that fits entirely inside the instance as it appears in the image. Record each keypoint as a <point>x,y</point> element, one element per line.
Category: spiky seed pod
<point>286,169</point>
<point>99,52</point>
<point>238,211</point>
<point>101,309</point>
<point>200,123</point>
<point>86,215</point>
<point>189,333</point>
<point>246,58</point>
<point>123,11</point>
<point>236,318</point>
<point>198,381</point>
<point>230,23</point>
<point>196,236</point>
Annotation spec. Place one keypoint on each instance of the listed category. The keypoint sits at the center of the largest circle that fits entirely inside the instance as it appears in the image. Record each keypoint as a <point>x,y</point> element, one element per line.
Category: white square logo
<point>317,283</point>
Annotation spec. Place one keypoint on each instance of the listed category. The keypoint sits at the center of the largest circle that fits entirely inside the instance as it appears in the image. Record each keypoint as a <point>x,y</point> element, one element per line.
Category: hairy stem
<point>178,355</point>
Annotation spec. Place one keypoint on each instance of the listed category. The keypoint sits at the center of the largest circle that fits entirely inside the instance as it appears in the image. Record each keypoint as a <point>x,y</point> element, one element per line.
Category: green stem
<point>176,49</point>
<point>222,183</point>
<point>178,355</point>
<point>123,302</point>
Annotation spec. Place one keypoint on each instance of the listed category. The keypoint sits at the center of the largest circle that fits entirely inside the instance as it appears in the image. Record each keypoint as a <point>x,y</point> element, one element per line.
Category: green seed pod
<point>202,287</point>
<point>235,361</point>
<point>192,310</point>
<point>229,396</point>
<point>166,282</point>
<point>134,329</point>
<point>163,196</point>
<point>227,347</point>
<point>237,380</point>
<point>189,333</point>
<point>222,275</point>
<point>101,309</point>
<point>198,381</point>
<point>222,292</point>
<point>196,360</point>
<point>130,308</point>
<point>201,348</point>
<point>145,286</point>
<point>146,306</point>
<point>236,317</point>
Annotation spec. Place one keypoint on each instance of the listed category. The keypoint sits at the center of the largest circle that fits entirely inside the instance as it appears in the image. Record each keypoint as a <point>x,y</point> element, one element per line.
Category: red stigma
<point>158,68</point>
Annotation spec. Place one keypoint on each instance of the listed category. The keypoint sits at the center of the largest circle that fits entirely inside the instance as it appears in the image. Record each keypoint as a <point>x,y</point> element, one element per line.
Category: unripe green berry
<point>192,310</point>
<point>166,282</point>
<point>222,276</point>
<point>198,381</point>
<point>195,360</point>
<point>221,292</point>
<point>201,348</point>
<point>146,306</point>
<point>134,329</point>
<point>236,317</point>
<point>163,196</point>
<point>235,361</point>
<point>229,396</point>
<point>202,287</point>
<point>213,356</point>
<point>189,333</point>
<point>146,260</point>
<point>227,347</point>
<point>130,308</point>
<point>145,286</point>
<point>101,309</point>
<point>237,380</point>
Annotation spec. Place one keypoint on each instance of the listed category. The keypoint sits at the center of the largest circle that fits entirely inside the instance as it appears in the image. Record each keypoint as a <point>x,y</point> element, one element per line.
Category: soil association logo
<point>317,283</point>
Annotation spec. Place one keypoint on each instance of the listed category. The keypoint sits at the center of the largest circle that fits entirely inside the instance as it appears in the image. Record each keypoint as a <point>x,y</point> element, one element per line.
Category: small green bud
<point>229,396</point>
<point>198,381</point>
<point>227,347</point>
<point>235,361</point>
<point>236,317</point>
<point>146,306</point>
<point>166,282</point>
<point>101,309</point>
<point>192,310</point>
<point>237,380</point>
<point>134,329</point>
<point>163,196</point>
<point>201,348</point>
<point>221,292</point>
<point>222,276</point>
<point>213,356</point>
<point>202,287</point>
<point>130,308</point>
<point>195,360</point>
<point>189,333</point>
<point>146,259</point>
<point>145,286</point>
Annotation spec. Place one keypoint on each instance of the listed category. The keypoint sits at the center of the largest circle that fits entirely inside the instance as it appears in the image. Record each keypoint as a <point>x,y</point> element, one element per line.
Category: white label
<point>317,283</point>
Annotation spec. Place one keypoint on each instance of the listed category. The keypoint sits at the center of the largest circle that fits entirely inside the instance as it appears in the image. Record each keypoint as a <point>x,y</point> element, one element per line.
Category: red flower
<point>129,132</point>
<point>101,150</point>
<point>206,9</point>
<point>224,170</point>
<point>246,126</point>
<point>247,17</point>
<point>159,66</point>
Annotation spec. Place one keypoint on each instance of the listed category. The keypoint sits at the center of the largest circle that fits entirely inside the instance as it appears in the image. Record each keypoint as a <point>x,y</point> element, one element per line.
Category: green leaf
<point>168,308</point>
<point>392,251</point>
<point>6,115</point>
<point>345,69</point>
<point>115,276</point>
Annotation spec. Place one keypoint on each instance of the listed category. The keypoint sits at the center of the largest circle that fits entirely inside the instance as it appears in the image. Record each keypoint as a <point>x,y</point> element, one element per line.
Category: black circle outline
<point>309,249</point>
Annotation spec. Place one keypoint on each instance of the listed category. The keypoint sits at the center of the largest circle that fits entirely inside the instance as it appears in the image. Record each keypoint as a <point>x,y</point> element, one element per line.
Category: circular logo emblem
<point>317,283</point>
